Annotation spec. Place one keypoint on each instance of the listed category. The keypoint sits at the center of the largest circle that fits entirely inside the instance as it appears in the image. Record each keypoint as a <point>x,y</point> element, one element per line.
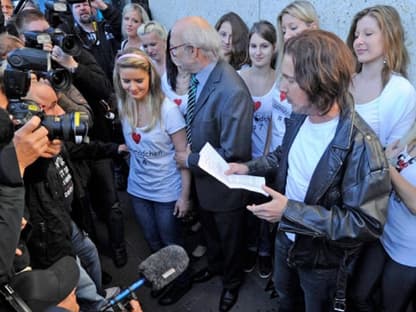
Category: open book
<point>215,165</point>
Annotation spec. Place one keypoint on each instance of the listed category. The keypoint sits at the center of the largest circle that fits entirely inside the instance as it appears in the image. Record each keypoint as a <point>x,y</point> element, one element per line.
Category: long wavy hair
<point>127,106</point>
<point>239,54</point>
<point>395,53</point>
<point>323,68</point>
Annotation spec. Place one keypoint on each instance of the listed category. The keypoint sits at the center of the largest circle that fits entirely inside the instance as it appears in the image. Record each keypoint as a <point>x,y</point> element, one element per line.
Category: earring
<point>384,61</point>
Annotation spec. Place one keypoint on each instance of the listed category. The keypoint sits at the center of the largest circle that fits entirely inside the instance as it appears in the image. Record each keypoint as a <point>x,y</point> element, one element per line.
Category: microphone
<point>159,269</point>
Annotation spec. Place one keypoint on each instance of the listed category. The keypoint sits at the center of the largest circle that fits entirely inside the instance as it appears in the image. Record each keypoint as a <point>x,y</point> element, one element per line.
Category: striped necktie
<point>191,107</point>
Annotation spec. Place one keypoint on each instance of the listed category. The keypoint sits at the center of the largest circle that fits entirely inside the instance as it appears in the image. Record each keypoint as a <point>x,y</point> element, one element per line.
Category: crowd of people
<point>329,123</point>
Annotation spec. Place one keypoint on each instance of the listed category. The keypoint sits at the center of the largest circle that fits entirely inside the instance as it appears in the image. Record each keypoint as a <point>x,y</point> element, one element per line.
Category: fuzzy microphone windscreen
<point>164,266</point>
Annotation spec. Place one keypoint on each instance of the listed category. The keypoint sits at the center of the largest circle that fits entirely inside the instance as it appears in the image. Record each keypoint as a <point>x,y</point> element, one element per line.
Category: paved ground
<point>201,298</point>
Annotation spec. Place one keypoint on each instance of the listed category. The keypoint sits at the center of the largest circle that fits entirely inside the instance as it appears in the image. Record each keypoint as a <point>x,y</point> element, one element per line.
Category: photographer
<point>17,151</point>
<point>87,75</point>
<point>90,80</point>
<point>101,38</point>
<point>50,189</point>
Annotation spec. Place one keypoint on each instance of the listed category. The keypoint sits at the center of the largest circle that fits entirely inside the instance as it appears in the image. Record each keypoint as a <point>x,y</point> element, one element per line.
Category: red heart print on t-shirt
<point>136,137</point>
<point>257,105</point>
<point>178,101</point>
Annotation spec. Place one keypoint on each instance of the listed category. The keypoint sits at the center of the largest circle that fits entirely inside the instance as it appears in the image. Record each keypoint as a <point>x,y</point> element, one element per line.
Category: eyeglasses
<point>174,50</point>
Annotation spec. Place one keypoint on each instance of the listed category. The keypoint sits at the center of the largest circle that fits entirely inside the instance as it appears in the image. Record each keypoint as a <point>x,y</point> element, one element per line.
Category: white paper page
<point>215,165</point>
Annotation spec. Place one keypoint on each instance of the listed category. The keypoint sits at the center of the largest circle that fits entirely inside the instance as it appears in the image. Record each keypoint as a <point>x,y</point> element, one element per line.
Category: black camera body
<point>17,77</point>
<point>38,62</point>
<point>70,44</point>
<point>69,127</point>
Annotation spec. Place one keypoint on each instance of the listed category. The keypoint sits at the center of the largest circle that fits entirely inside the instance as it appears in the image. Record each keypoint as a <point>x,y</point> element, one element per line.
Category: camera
<point>38,62</point>
<point>17,77</point>
<point>68,127</point>
<point>70,44</point>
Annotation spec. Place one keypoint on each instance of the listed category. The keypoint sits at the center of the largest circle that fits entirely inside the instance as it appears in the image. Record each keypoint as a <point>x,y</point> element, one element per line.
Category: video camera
<point>17,77</point>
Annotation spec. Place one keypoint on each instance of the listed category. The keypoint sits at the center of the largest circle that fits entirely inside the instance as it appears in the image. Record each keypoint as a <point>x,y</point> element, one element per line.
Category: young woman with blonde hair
<point>383,95</point>
<point>154,129</point>
<point>295,18</point>
<point>153,36</point>
<point>133,16</point>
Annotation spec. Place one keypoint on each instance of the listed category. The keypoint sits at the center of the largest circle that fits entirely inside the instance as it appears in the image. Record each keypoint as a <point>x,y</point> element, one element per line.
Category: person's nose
<point>288,34</point>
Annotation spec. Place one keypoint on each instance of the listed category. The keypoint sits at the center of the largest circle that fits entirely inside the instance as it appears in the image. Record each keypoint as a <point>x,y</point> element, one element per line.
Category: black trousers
<point>223,232</point>
<point>105,200</point>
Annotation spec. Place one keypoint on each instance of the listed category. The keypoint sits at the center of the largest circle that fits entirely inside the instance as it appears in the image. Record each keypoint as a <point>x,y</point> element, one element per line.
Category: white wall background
<point>335,15</point>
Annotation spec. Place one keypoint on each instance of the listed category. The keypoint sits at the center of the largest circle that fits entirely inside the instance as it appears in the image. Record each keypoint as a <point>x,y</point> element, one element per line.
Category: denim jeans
<point>160,227</point>
<point>88,298</point>
<point>301,289</point>
<point>86,251</point>
<point>258,237</point>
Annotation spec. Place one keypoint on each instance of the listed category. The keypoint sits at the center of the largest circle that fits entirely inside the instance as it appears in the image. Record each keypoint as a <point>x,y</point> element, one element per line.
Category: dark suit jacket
<point>223,117</point>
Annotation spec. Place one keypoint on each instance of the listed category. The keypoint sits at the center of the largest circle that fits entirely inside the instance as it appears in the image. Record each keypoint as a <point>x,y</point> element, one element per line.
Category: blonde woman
<point>295,18</point>
<point>154,129</point>
<point>153,36</point>
<point>133,16</point>
<point>382,94</point>
<point>152,139</point>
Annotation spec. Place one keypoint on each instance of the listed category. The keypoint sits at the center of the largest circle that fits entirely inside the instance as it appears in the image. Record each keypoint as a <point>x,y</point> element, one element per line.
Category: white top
<point>281,109</point>
<point>371,114</point>
<point>399,234</point>
<point>180,100</point>
<point>153,172</point>
<point>307,149</point>
<point>261,119</point>
<point>396,109</point>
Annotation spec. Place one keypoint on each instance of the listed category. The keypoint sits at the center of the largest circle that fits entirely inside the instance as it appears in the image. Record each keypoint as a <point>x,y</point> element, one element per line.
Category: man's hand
<point>123,149</point>
<point>30,142</point>
<point>235,168</point>
<point>273,210</point>
<point>181,208</point>
<point>62,58</point>
<point>54,148</point>
<point>135,306</point>
<point>99,4</point>
<point>182,157</point>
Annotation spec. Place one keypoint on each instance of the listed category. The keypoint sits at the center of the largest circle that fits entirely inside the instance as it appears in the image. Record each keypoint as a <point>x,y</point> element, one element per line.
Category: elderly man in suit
<point>221,114</point>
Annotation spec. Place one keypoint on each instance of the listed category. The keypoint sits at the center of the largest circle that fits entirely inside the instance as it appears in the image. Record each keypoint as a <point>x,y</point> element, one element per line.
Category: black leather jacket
<point>346,202</point>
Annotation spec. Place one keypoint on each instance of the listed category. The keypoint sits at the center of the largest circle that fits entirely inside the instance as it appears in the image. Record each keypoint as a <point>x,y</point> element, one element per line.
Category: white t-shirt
<point>399,235</point>
<point>371,114</point>
<point>261,119</point>
<point>153,172</point>
<point>281,109</point>
<point>180,100</point>
<point>307,149</point>
<point>396,109</point>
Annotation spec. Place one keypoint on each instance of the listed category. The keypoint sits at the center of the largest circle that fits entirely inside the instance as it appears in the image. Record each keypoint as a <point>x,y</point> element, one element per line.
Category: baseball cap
<point>41,289</point>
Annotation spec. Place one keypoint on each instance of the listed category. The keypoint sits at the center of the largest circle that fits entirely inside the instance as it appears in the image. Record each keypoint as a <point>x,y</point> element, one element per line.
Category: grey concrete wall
<point>335,15</point>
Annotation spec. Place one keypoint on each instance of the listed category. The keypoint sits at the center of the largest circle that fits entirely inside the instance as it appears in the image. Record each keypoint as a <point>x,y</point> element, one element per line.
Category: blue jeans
<point>88,298</point>
<point>301,289</point>
<point>160,227</point>
<point>85,249</point>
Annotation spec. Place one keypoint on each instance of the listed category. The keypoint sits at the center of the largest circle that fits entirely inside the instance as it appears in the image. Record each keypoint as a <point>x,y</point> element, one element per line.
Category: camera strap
<point>13,299</point>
